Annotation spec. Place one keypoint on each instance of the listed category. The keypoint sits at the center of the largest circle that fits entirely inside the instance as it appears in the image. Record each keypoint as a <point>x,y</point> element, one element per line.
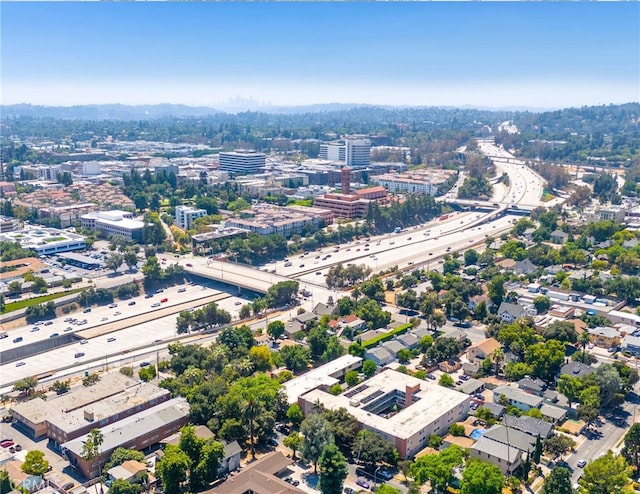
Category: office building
<point>242,162</point>
<point>185,216</point>
<point>114,223</point>
<point>8,224</point>
<point>355,153</point>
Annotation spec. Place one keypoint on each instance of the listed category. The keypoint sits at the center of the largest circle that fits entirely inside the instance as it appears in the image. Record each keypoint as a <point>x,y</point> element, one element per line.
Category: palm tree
<point>583,340</point>
<point>497,356</point>
<point>251,409</point>
<point>91,447</point>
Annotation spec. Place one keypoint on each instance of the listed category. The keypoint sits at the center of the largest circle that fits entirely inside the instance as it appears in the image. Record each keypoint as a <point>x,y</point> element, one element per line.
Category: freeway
<point>112,330</point>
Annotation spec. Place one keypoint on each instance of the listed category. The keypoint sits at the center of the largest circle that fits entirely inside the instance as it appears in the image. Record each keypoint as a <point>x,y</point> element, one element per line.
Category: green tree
<point>558,445</point>
<point>608,474</point>
<point>61,387</point>
<point>480,477</point>
<point>317,434</point>
<point>172,469</point>
<point>120,455</point>
<point>437,468</point>
<point>295,357</point>
<point>122,486</point>
<point>5,482</point>
<point>369,368</point>
<point>130,258</point>
<point>371,448</point>
<point>275,329</point>
<point>583,340</point>
<point>446,380</point>
<point>294,414</point>
<point>542,303</point>
<point>333,470</point>
<point>293,441</point>
<point>113,261</point>
<point>456,430</point>
<point>344,427</point>
<point>558,482</point>
<point>35,463</point>
<point>631,449</point>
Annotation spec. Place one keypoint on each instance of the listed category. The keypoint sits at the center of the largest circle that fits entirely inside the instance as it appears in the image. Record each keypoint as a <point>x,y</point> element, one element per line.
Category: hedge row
<point>387,336</point>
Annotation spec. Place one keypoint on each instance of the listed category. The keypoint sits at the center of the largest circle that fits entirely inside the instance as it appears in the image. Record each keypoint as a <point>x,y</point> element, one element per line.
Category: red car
<point>6,443</point>
<point>164,300</point>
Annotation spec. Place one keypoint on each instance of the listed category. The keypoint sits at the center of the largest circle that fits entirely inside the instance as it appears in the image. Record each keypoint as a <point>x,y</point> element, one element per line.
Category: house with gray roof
<point>393,347</point>
<point>576,369</point>
<point>559,237</point>
<point>408,340</point>
<point>532,385</point>
<point>322,309</point>
<point>530,425</point>
<point>517,398</point>
<point>507,458</point>
<point>631,344</point>
<point>553,413</point>
<point>381,356</point>
<point>525,267</point>
<point>231,460</point>
<point>513,437</point>
<point>496,409</point>
<point>511,312</point>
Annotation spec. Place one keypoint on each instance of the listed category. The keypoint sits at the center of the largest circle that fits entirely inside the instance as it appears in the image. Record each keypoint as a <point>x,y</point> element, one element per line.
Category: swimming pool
<point>477,433</point>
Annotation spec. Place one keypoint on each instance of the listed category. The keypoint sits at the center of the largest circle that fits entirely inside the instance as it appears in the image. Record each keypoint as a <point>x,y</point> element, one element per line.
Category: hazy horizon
<point>494,55</point>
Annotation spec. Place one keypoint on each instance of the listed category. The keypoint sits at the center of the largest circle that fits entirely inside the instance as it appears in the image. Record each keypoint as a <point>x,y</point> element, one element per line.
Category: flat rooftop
<point>128,429</point>
<point>121,402</point>
<point>39,410</point>
<point>319,376</point>
<point>434,401</point>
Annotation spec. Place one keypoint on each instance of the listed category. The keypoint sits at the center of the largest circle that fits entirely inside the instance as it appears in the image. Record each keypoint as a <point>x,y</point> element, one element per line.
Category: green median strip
<point>21,304</point>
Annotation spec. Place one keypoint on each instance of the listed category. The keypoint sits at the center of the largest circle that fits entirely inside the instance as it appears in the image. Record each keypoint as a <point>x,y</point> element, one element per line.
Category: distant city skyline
<point>483,54</point>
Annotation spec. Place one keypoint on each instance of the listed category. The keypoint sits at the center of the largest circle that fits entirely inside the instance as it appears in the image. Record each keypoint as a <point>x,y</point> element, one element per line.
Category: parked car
<point>363,483</point>
<point>581,463</point>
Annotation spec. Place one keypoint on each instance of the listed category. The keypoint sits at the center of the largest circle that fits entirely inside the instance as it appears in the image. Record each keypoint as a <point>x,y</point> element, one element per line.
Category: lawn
<point>21,304</point>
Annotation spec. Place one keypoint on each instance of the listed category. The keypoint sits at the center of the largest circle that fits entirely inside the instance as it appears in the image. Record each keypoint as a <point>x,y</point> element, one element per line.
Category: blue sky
<point>535,54</point>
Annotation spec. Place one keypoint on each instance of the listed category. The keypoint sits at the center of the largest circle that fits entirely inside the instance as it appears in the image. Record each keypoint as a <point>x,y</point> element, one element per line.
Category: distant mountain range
<point>165,110</point>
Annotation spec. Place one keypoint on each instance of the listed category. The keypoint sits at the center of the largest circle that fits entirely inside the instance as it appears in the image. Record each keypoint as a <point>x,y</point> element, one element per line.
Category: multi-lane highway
<point>110,331</point>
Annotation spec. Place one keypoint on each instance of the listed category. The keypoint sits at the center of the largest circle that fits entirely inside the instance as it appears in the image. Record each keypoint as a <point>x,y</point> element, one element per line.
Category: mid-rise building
<point>355,153</point>
<point>45,241</point>
<point>403,409</point>
<point>139,431</point>
<point>185,216</point>
<point>8,224</point>
<point>242,162</point>
<point>114,223</point>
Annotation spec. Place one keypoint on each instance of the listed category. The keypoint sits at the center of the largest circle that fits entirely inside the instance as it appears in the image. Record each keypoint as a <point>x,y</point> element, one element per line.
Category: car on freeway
<point>318,272</point>
<point>79,354</point>
<point>189,265</point>
<point>133,302</point>
<point>53,335</point>
<point>20,364</point>
<point>164,300</point>
<point>88,309</point>
<point>155,304</point>
<point>157,341</point>
<point>67,329</point>
<point>116,313</point>
<point>68,319</point>
<point>237,302</point>
<point>18,339</point>
<point>301,266</point>
<point>104,319</point>
<point>48,323</point>
<point>148,295</point>
<point>113,306</point>
<point>581,463</point>
<point>84,342</point>
<point>182,289</point>
<point>109,340</point>
<point>34,329</point>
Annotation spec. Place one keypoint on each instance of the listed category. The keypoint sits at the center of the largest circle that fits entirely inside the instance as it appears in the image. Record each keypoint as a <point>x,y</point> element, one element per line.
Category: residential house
<point>262,476</point>
<point>576,369</point>
<point>292,327</point>
<point>19,479</point>
<point>506,264</point>
<point>532,385</point>
<point>517,398</point>
<point>305,318</point>
<point>231,459</point>
<point>528,234</point>
<point>380,356</point>
<point>525,267</point>
<point>562,311</point>
<point>604,336</point>
<point>631,344</point>
<point>321,309</point>
<point>512,437</point>
<point>530,425</point>
<point>559,237</point>
<point>393,347</point>
<point>507,458</point>
<point>471,386</point>
<point>131,470</point>
<point>479,352</point>
<point>496,409</point>
<point>477,299</point>
<point>408,340</point>
<point>553,413</point>
<point>511,312</point>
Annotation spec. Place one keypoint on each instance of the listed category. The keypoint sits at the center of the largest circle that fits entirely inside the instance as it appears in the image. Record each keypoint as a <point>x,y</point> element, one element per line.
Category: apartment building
<point>186,215</point>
